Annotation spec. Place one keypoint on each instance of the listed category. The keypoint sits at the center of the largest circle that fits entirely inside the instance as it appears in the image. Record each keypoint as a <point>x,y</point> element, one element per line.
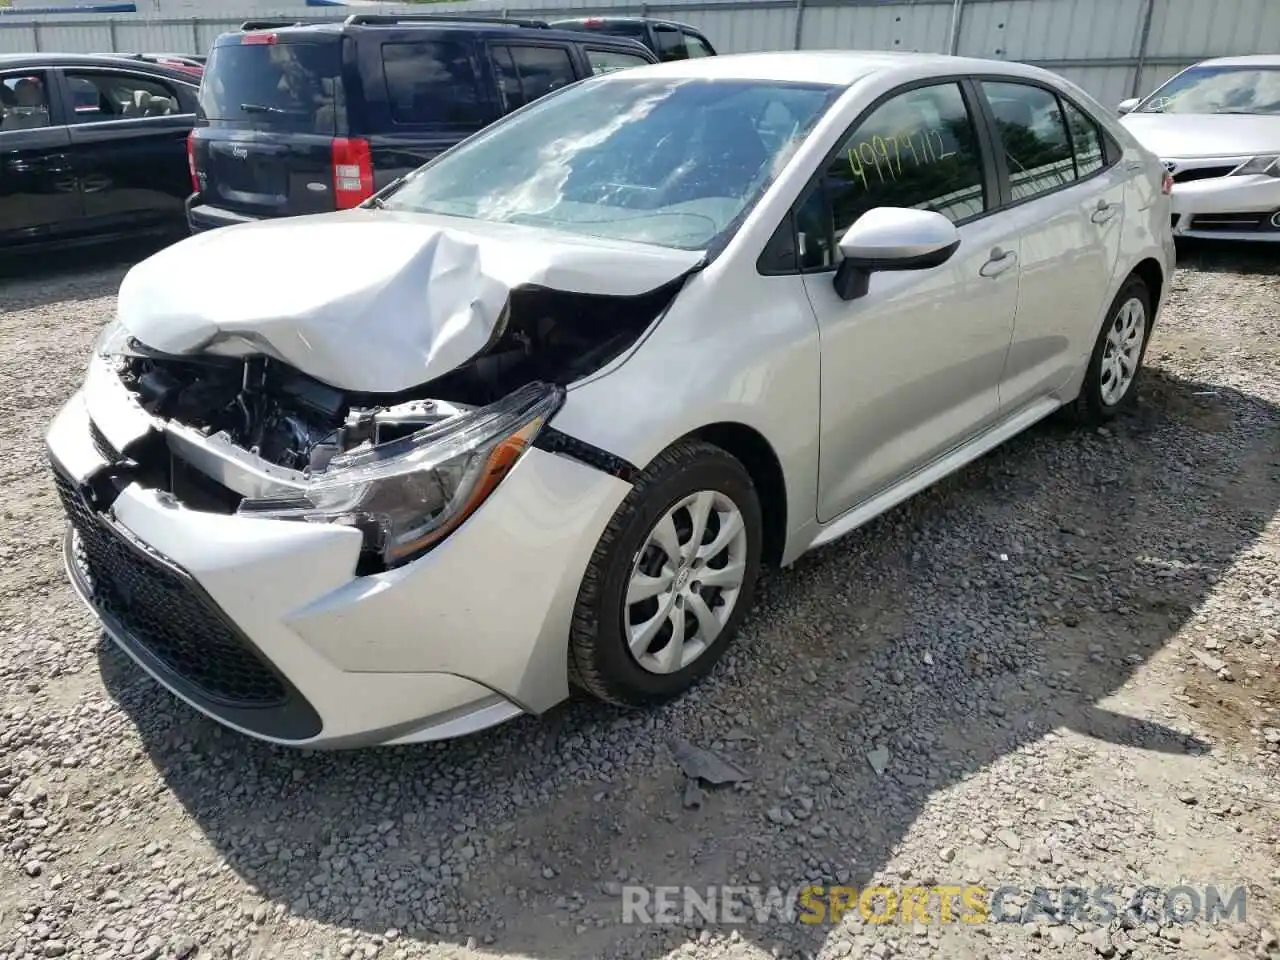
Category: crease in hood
<point>367,300</point>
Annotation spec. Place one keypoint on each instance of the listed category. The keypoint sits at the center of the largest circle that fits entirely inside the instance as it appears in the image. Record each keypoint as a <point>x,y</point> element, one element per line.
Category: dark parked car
<point>298,118</point>
<point>668,39</point>
<point>91,147</point>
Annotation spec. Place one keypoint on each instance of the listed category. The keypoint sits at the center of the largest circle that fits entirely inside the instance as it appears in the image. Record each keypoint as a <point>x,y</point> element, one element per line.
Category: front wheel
<point>670,580</point>
<point>1111,382</point>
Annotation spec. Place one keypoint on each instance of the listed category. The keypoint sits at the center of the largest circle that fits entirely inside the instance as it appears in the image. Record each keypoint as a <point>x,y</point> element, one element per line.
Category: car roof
<point>833,67</point>
<point>1253,60</point>
<point>43,61</point>
<point>337,28</point>
<point>659,21</point>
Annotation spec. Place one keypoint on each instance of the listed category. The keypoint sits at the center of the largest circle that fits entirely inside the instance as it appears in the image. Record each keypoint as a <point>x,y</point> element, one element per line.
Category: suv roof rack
<point>373,19</point>
<point>282,22</point>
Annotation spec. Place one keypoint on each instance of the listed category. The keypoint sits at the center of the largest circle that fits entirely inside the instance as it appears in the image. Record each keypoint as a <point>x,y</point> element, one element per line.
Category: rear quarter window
<point>434,82</point>
<point>288,85</point>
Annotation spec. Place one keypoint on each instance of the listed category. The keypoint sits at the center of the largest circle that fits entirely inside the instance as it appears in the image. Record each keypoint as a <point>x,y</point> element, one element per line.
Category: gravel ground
<point>1059,667</point>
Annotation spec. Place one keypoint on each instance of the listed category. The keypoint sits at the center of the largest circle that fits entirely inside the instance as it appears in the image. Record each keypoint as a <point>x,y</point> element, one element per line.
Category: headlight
<point>407,495</point>
<point>111,340</point>
<point>1268,166</point>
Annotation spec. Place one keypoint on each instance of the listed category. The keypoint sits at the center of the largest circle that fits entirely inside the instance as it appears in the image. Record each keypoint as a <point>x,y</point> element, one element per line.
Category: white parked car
<point>537,415</point>
<point>1216,126</point>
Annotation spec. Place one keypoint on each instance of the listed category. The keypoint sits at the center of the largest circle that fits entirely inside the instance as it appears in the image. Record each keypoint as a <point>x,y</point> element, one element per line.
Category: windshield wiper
<point>264,108</point>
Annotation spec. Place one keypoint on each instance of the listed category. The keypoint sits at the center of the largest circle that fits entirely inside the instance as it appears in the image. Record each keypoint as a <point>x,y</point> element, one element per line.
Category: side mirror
<point>1127,105</point>
<point>892,238</point>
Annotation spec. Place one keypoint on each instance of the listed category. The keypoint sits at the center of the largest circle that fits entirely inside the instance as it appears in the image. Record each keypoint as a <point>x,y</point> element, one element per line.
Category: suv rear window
<point>290,86</point>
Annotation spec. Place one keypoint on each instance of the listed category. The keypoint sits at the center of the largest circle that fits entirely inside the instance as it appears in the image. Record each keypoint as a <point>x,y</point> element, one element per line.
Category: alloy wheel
<point>1123,351</point>
<point>685,582</point>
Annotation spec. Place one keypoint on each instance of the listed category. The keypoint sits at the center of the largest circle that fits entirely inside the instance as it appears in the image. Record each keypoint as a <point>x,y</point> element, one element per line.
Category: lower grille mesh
<point>164,612</point>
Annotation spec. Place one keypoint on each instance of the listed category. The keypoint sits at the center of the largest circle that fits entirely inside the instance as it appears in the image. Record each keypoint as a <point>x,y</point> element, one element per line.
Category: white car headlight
<point>407,495</point>
<point>1268,166</point>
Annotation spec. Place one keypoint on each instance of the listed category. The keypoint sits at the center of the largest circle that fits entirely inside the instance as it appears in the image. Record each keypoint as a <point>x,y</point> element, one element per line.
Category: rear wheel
<point>670,580</point>
<point>1111,382</point>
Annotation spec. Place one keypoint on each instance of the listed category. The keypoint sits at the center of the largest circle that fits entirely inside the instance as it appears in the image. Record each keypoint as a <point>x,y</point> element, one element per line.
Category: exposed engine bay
<point>293,420</point>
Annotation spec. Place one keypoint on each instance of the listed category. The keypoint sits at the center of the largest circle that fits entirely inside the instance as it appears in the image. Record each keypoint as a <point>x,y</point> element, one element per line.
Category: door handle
<point>1000,261</point>
<point>1105,211</point>
<point>1135,165</point>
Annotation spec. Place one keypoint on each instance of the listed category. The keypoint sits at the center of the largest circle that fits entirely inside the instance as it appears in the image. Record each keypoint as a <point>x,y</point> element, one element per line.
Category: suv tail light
<point>1166,185</point>
<point>191,162</point>
<point>352,172</point>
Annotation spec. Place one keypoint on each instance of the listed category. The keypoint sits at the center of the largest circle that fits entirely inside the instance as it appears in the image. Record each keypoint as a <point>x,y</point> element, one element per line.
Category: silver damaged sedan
<point>537,415</point>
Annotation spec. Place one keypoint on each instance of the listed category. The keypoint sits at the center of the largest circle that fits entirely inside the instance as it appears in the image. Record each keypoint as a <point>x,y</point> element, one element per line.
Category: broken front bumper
<point>264,626</point>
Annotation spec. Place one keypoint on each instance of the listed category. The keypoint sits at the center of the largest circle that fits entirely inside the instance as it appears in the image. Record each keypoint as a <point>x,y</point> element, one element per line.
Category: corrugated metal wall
<point>1112,48</point>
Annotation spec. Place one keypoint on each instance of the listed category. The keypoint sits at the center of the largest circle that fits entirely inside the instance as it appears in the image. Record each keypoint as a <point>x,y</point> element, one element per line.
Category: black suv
<point>668,39</point>
<point>309,117</point>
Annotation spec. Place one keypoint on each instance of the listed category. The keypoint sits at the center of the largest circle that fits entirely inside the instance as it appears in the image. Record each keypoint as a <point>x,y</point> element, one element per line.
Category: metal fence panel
<point>1195,30</point>
<point>1056,30</point>
<point>921,27</point>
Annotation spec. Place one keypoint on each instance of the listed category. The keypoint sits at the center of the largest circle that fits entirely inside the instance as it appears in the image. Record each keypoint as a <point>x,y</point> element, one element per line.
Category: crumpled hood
<point>1185,136</point>
<point>368,300</point>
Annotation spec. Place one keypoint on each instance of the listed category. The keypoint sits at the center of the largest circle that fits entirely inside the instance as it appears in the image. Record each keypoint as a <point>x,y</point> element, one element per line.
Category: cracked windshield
<point>667,162</point>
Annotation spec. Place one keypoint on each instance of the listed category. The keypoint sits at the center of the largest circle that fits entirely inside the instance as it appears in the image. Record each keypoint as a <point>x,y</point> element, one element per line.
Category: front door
<point>39,195</point>
<point>911,370</point>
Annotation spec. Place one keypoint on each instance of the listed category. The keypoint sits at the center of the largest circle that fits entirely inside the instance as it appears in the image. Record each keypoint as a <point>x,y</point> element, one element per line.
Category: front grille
<point>1202,173</point>
<point>1231,221</point>
<point>166,613</point>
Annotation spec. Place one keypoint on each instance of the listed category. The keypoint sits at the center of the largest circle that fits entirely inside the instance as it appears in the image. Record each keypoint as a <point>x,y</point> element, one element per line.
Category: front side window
<point>1033,135</point>
<point>117,96</point>
<point>1254,90</point>
<point>607,61</point>
<point>292,86</point>
<point>24,102</point>
<point>674,162</point>
<point>671,44</point>
<point>696,46</point>
<point>527,73</point>
<point>918,149</point>
<point>433,82</point>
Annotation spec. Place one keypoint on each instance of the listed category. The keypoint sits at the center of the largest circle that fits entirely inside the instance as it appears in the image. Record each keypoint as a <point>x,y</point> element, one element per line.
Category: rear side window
<point>434,82</point>
<point>116,96</point>
<point>1086,141</point>
<point>527,73</point>
<point>285,86</point>
<point>607,61</point>
<point>1033,134</point>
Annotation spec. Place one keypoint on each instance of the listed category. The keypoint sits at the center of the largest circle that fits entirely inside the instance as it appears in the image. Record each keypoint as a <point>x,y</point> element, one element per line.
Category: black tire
<point>600,661</point>
<point>1091,409</point>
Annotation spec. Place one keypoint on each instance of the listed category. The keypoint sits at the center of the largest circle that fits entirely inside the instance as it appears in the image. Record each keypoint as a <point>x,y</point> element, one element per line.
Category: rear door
<point>1067,198</point>
<point>39,195</point>
<point>128,133</point>
<point>423,93</point>
<point>270,108</point>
